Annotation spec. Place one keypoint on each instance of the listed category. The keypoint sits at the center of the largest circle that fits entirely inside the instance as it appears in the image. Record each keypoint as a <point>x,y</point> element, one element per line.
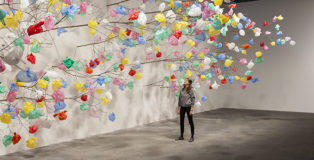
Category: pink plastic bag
<point>83,7</point>
<point>12,96</point>
<point>172,40</point>
<point>113,13</point>
<point>58,95</point>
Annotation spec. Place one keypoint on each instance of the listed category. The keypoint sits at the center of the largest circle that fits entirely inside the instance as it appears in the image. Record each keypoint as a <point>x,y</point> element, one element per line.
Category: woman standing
<point>186,104</point>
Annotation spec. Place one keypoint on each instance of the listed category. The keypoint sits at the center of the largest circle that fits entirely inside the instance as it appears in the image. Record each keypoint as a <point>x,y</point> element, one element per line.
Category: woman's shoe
<point>180,138</point>
<point>191,139</point>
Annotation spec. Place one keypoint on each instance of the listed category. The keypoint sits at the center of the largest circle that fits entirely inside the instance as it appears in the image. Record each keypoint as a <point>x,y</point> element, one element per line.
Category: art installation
<point>204,39</point>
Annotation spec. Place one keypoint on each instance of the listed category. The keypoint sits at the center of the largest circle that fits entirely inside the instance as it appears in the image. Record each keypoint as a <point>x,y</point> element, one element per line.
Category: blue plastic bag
<point>26,76</point>
<point>121,10</point>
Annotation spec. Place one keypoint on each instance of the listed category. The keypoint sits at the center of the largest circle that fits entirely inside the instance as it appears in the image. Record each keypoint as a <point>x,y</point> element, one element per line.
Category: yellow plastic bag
<point>105,100</point>
<point>43,83</point>
<point>31,142</point>
<point>28,107</point>
<point>6,118</point>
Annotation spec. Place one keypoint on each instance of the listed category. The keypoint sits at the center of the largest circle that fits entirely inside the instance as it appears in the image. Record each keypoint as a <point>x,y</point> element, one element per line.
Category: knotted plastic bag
<point>35,29</point>
<point>3,89</point>
<point>83,7</point>
<point>14,55</point>
<point>142,19</point>
<point>161,19</point>
<point>58,95</point>
<point>77,65</point>
<point>2,67</point>
<point>31,142</point>
<point>11,110</point>
<point>16,138</point>
<point>84,107</point>
<point>105,100</point>
<point>7,140</point>
<point>35,47</point>
<point>92,24</point>
<point>62,115</point>
<point>31,58</point>
<point>2,16</point>
<point>26,76</point>
<point>173,41</point>
<point>6,118</point>
<point>12,95</point>
<point>56,84</point>
<point>68,62</point>
<point>59,106</point>
<point>112,116</point>
<point>28,107</point>
<point>49,23</point>
<point>43,83</point>
<point>121,10</point>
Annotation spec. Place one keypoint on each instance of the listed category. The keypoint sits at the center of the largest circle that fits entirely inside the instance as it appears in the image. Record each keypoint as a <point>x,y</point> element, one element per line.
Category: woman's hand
<point>191,111</point>
<point>178,110</point>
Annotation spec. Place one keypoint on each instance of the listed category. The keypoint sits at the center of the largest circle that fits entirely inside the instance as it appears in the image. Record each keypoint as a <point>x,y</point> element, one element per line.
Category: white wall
<point>287,74</point>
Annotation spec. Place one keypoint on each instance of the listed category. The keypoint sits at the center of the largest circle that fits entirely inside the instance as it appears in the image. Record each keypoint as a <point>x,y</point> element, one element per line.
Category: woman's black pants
<point>184,110</point>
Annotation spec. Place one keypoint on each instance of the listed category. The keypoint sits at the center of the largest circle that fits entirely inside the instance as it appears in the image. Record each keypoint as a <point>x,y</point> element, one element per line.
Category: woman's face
<point>186,82</point>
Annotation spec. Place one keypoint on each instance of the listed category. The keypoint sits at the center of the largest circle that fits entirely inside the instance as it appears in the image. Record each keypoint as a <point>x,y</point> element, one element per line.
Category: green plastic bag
<point>259,59</point>
<point>23,114</point>
<point>108,57</point>
<point>84,107</point>
<point>2,16</point>
<point>77,65</point>
<point>107,80</point>
<point>130,85</point>
<point>46,78</point>
<point>34,113</point>
<point>196,63</point>
<point>3,89</point>
<point>116,67</point>
<point>248,72</point>
<point>35,48</point>
<point>19,42</point>
<point>68,62</point>
<point>166,78</point>
<point>7,140</point>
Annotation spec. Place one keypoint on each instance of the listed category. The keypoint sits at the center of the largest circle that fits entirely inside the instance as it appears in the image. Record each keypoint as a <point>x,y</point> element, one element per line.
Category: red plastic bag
<point>35,29</point>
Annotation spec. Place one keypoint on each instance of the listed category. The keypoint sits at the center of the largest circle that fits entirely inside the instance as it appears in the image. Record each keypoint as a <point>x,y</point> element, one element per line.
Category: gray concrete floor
<point>223,134</point>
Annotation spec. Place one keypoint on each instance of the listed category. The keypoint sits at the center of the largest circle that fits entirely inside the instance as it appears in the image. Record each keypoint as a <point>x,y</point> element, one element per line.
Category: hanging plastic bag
<point>83,7</point>
<point>7,140</point>
<point>112,117</point>
<point>121,10</point>
<point>2,16</point>
<point>35,47</point>
<point>142,19</point>
<point>13,56</point>
<point>16,138</point>
<point>172,40</point>
<point>31,142</point>
<point>35,29</point>
<point>26,76</point>
<point>59,106</point>
<point>195,11</point>
<point>141,40</point>
<point>12,95</point>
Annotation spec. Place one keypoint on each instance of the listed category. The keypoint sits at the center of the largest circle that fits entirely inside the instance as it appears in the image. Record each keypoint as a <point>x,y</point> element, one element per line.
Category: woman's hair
<point>188,89</point>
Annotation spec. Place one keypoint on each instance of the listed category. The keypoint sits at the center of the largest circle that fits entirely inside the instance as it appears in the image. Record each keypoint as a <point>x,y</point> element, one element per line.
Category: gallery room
<point>156,79</point>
